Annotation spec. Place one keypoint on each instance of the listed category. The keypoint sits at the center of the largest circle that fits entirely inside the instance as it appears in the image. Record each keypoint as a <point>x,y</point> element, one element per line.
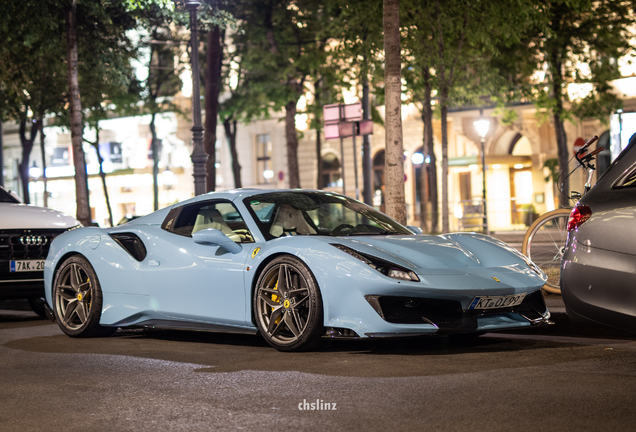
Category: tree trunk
<point>42,136</point>
<point>155,162</point>
<point>27,146</point>
<point>102,174</point>
<point>427,116</point>
<point>317,101</point>
<point>1,157</point>
<point>292,145</point>
<point>561,137</point>
<point>444,115</point>
<point>230,132</point>
<point>394,161</point>
<point>79,161</point>
<point>212,78</point>
<point>367,172</point>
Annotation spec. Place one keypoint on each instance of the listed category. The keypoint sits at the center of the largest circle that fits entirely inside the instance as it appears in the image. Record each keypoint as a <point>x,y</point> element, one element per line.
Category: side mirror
<point>415,230</point>
<point>214,237</point>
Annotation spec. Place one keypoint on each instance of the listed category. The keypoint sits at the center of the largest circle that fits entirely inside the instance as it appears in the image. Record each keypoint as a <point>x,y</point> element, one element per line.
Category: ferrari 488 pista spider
<point>293,265</point>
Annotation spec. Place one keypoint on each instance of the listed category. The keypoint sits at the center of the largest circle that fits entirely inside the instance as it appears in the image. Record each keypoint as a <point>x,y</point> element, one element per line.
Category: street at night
<point>559,377</point>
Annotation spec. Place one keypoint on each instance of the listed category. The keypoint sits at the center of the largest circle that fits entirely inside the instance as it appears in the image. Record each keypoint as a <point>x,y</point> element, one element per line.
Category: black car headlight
<point>387,268</point>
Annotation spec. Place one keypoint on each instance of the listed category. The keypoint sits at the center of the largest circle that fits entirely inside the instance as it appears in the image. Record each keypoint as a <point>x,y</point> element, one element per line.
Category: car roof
<point>239,194</point>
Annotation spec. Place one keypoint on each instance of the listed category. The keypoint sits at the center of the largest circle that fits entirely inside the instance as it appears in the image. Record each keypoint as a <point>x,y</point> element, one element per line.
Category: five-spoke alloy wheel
<point>288,306</point>
<point>77,299</point>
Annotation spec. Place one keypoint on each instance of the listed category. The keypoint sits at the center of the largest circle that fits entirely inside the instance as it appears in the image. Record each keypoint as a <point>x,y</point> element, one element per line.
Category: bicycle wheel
<point>544,244</point>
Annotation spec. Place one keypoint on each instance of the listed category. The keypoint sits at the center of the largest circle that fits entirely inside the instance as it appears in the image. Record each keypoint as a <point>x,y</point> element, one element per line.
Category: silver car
<point>598,276</point>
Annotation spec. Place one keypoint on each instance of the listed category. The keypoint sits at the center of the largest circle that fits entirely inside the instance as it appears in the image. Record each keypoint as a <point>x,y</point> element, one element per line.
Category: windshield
<point>7,197</point>
<point>282,214</point>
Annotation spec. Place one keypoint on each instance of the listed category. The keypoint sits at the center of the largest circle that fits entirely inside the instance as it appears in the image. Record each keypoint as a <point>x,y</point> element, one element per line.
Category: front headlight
<point>385,267</point>
<point>533,266</point>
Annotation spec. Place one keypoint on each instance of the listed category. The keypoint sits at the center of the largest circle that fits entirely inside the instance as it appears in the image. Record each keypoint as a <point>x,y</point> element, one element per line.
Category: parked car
<point>26,233</point>
<point>598,276</point>
<point>292,265</point>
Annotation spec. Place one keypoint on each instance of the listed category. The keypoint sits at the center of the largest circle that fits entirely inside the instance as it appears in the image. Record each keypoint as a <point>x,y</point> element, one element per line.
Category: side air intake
<point>132,244</point>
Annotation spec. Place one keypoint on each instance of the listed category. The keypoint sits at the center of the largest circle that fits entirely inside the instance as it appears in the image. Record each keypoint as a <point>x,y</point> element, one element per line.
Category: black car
<point>598,270</point>
<point>26,233</point>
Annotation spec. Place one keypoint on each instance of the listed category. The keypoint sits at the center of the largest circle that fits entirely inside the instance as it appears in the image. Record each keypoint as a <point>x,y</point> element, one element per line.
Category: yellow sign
<point>255,251</point>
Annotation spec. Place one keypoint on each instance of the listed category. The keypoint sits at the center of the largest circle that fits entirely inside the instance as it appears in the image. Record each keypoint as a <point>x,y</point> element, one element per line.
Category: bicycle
<point>544,242</point>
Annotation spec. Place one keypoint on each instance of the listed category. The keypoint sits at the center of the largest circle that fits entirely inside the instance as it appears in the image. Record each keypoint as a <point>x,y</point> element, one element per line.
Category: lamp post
<point>482,126</point>
<point>198,155</point>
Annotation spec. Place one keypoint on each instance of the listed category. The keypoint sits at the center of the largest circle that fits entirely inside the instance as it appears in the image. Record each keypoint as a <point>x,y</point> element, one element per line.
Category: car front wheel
<point>77,298</point>
<point>288,306</point>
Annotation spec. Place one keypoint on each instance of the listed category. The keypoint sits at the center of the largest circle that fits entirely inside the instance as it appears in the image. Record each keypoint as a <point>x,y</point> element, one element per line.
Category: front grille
<point>413,310</point>
<point>11,248</point>
<point>448,314</point>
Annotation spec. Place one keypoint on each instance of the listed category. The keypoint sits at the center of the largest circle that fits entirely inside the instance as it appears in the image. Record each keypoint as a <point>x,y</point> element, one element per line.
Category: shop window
<point>378,181</point>
<point>465,187</point>
<point>264,170</point>
<point>330,171</point>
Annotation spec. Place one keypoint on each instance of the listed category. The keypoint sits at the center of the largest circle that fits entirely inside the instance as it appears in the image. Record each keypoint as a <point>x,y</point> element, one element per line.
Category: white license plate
<point>494,302</point>
<point>26,265</point>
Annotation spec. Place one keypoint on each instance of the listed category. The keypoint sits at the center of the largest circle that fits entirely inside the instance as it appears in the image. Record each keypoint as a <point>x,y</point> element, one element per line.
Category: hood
<point>23,216</point>
<point>438,254</point>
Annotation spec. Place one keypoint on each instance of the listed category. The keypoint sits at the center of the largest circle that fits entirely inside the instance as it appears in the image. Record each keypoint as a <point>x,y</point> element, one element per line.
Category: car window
<point>629,180</point>
<point>281,214</point>
<point>218,215</point>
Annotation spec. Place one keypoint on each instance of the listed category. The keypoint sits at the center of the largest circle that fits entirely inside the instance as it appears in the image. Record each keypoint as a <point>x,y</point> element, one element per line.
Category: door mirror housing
<point>215,237</point>
<point>415,230</point>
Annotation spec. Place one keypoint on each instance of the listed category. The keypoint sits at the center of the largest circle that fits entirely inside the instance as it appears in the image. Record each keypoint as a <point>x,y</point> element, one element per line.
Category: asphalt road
<point>563,377</point>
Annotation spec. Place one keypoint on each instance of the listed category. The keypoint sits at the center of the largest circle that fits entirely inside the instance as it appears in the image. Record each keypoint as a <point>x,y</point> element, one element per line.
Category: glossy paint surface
<point>599,263</point>
<point>23,216</point>
<point>192,284</point>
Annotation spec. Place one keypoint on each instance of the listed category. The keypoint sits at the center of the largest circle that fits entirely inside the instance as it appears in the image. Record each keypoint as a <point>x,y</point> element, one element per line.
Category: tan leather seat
<point>211,218</point>
<point>292,220</point>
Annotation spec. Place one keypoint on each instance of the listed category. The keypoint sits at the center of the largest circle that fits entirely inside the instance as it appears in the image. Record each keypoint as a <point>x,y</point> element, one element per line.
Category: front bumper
<point>402,309</point>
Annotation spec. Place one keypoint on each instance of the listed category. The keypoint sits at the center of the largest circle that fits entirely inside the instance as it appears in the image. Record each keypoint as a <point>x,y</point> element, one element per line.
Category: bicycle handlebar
<point>587,144</point>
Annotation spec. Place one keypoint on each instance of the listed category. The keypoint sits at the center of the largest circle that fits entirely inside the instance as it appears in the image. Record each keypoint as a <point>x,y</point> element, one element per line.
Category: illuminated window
<point>264,171</point>
<point>330,171</point>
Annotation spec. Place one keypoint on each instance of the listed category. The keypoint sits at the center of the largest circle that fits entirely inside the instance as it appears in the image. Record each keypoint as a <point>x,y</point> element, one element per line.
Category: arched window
<point>330,171</point>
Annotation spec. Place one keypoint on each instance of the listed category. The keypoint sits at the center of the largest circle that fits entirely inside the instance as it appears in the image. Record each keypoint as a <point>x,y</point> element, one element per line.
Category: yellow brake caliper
<point>276,299</point>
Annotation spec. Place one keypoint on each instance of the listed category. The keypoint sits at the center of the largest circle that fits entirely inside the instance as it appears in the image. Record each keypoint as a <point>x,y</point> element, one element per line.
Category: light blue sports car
<point>294,265</point>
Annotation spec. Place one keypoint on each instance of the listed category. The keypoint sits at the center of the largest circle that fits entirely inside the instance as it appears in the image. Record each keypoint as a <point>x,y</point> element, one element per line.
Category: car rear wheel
<point>288,306</point>
<point>77,298</point>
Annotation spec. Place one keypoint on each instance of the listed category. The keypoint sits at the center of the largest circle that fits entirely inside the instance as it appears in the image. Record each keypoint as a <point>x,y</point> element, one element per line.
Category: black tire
<point>77,299</point>
<point>37,305</point>
<point>544,244</point>
<point>289,316</point>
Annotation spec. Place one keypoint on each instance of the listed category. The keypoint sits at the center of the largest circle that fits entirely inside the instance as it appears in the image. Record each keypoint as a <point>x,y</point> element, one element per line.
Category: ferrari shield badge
<point>494,278</point>
<point>255,251</point>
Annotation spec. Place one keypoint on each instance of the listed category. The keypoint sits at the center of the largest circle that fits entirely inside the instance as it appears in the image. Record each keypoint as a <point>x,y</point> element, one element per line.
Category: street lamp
<point>198,155</point>
<point>482,126</point>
